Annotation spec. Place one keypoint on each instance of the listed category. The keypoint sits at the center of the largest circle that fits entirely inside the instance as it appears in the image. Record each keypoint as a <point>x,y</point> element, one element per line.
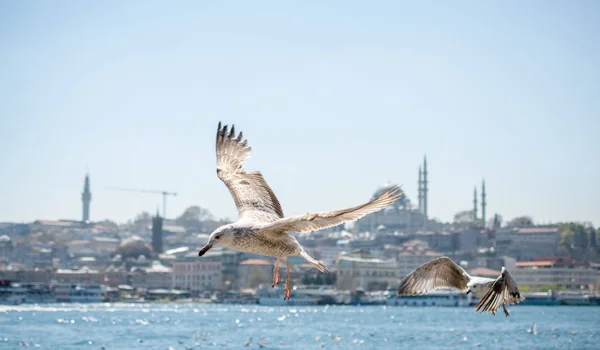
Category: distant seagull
<point>445,273</point>
<point>261,227</point>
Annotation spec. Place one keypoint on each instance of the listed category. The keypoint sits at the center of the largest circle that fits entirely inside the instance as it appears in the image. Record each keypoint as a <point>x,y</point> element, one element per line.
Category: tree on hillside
<point>109,223</point>
<point>566,237</point>
<point>211,225</point>
<point>594,247</point>
<point>195,213</point>
<point>143,219</point>
<point>581,236</point>
<point>464,217</point>
<point>192,218</point>
<point>578,241</point>
<point>521,221</point>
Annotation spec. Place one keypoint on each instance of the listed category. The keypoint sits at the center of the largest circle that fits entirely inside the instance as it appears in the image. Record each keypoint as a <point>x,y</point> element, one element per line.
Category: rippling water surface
<point>190,326</point>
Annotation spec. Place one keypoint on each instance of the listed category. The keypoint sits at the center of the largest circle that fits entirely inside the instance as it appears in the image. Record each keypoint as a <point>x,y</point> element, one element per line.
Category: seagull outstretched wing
<point>254,199</point>
<point>318,221</point>
<point>438,273</point>
<point>504,290</point>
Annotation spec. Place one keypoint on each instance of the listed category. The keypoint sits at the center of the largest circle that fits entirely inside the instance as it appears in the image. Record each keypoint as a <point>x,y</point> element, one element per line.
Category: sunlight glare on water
<point>188,326</point>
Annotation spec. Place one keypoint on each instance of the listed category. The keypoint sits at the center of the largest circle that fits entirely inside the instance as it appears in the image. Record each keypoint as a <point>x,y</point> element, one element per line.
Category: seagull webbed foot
<point>287,291</point>
<point>505,311</point>
<point>276,273</point>
<point>288,281</point>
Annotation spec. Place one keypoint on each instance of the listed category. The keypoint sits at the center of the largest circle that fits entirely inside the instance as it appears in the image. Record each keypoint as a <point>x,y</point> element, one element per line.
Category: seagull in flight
<point>261,227</point>
<point>445,273</point>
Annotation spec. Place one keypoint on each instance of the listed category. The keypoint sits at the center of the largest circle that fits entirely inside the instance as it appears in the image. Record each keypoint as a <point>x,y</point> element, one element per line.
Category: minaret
<point>86,198</point>
<point>157,224</point>
<point>420,190</point>
<point>483,202</point>
<point>475,204</point>
<point>425,189</point>
<point>492,233</point>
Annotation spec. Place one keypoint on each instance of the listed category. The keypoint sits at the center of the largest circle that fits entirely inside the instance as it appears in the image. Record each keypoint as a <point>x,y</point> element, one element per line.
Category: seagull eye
<point>217,237</point>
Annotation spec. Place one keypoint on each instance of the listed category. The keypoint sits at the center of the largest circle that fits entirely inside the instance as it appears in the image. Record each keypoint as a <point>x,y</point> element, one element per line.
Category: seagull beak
<point>204,249</point>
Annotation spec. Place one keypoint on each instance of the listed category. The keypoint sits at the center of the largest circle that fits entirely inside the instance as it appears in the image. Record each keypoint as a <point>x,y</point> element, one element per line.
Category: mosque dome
<point>389,208</point>
<point>134,247</point>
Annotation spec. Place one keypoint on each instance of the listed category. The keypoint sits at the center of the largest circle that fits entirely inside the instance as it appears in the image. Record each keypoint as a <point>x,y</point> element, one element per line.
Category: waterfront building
<point>555,271</point>
<point>197,275</point>
<point>366,273</point>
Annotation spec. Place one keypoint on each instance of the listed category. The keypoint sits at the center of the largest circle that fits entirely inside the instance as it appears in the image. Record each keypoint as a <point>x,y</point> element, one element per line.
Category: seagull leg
<point>505,311</point>
<point>288,282</point>
<point>276,273</point>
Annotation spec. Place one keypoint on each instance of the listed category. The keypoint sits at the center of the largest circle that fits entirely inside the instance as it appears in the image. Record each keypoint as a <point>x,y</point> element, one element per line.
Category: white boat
<point>274,297</point>
<point>77,293</point>
<point>434,298</point>
<point>540,299</point>
<point>574,299</point>
<point>12,294</point>
<point>38,293</point>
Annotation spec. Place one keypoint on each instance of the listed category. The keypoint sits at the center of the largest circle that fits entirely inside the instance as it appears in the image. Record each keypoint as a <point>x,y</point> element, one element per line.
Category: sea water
<point>190,326</point>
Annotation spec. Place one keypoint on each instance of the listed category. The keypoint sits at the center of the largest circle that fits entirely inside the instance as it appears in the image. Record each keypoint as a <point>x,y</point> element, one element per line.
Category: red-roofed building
<point>555,271</point>
<point>540,263</point>
<point>484,272</point>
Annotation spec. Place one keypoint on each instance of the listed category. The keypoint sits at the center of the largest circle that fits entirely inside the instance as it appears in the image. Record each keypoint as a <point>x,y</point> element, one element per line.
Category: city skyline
<point>331,110</point>
<point>420,206</point>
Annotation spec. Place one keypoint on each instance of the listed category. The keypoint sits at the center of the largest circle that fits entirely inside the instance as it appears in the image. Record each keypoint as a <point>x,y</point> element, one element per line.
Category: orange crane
<point>164,194</point>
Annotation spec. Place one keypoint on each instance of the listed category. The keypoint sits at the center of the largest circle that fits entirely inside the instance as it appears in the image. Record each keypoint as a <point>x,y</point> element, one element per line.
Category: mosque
<point>402,215</point>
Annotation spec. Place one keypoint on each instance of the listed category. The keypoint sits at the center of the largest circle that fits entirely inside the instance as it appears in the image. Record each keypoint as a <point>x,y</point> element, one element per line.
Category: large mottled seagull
<point>261,227</point>
<point>445,273</point>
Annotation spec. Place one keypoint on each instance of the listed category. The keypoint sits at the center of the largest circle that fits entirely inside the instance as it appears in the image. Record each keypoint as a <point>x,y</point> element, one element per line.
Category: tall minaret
<point>157,225</point>
<point>475,204</point>
<point>425,189</point>
<point>420,190</point>
<point>86,198</point>
<point>483,202</point>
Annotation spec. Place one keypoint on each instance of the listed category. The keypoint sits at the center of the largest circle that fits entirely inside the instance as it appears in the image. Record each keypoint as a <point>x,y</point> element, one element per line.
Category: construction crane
<point>164,194</point>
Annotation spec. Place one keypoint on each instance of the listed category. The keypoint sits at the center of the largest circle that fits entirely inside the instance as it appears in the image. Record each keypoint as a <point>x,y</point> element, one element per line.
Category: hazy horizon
<point>334,98</point>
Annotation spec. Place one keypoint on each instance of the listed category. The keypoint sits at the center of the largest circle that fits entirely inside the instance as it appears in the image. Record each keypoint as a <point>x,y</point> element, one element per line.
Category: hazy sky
<point>334,97</point>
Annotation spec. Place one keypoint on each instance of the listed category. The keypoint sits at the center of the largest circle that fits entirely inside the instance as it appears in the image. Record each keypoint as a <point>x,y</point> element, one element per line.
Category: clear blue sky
<point>335,98</point>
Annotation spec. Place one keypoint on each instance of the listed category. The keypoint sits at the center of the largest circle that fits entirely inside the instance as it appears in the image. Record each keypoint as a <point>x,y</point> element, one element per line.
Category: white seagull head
<point>221,237</point>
